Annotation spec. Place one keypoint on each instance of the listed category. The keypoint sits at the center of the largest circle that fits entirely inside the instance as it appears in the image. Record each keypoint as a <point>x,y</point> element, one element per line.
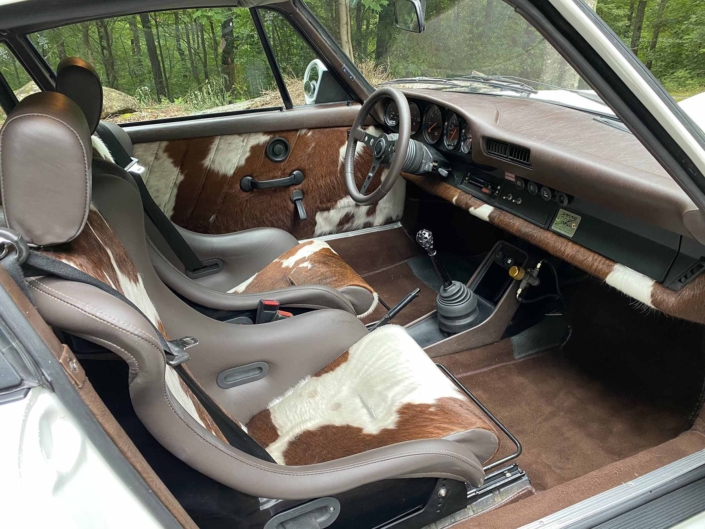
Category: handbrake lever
<point>396,309</point>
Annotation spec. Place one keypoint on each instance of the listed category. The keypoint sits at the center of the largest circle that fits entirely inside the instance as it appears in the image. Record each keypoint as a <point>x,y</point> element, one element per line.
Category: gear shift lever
<point>456,305</point>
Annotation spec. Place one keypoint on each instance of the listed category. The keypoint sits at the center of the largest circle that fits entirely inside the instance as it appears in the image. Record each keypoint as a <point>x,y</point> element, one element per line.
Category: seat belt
<point>193,265</point>
<point>25,259</point>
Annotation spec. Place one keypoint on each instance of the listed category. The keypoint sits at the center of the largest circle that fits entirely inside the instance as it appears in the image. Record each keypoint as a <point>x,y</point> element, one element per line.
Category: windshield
<point>480,45</point>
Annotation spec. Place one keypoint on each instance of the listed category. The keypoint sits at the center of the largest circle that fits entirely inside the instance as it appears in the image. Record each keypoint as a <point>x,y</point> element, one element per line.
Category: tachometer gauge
<point>451,132</point>
<point>432,124</point>
<point>391,115</point>
<point>415,118</point>
<point>465,138</point>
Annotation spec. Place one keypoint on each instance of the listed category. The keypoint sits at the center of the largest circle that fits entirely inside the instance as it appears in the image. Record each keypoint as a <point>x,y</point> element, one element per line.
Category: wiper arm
<point>464,81</point>
<point>422,80</point>
<point>498,81</point>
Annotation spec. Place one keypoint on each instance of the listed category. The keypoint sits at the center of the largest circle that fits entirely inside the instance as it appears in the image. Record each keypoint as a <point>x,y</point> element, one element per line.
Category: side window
<point>305,77</point>
<point>169,64</point>
<point>16,77</point>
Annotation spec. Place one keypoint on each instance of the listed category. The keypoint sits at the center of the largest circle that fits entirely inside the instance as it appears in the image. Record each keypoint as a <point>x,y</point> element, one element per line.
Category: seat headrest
<point>45,169</point>
<point>78,80</point>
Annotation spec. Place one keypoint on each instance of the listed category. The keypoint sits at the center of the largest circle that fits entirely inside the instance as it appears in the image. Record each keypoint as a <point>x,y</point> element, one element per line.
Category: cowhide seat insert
<point>309,263</point>
<point>98,252</point>
<point>384,390</point>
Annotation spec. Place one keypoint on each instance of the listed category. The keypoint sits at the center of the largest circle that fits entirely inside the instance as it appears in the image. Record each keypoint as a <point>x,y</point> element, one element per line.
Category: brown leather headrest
<point>45,169</point>
<point>78,80</point>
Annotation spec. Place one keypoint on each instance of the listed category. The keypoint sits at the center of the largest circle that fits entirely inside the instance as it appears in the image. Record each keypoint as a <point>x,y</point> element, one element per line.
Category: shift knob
<point>425,240</point>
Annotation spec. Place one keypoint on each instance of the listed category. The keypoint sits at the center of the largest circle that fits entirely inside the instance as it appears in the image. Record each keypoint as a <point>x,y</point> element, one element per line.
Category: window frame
<point>48,75</point>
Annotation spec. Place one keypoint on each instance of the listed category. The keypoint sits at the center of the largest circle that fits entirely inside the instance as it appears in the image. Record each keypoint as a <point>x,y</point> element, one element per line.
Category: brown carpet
<point>380,258</point>
<point>568,422</point>
<point>567,494</point>
<point>393,284</point>
<point>375,251</point>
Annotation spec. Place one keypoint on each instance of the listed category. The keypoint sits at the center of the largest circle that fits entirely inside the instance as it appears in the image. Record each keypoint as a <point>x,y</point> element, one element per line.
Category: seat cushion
<point>313,263</point>
<point>384,390</point>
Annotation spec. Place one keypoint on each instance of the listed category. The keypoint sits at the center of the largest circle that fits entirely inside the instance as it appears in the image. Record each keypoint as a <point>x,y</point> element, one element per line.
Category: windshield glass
<point>480,45</point>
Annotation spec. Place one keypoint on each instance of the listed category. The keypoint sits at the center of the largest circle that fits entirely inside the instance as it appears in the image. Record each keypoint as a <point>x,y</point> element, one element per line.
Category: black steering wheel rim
<point>380,146</point>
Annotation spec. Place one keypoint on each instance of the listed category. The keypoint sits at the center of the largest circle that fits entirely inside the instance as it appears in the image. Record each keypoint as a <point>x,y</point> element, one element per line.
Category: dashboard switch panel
<point>527,205</point>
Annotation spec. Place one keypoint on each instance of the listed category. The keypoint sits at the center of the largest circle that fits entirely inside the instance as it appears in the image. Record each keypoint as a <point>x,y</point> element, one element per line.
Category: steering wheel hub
<point>380,147</point>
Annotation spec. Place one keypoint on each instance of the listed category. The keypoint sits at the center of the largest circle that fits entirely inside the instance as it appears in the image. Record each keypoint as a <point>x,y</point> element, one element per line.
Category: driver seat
<point>261,263</point>
<point>339,408</point>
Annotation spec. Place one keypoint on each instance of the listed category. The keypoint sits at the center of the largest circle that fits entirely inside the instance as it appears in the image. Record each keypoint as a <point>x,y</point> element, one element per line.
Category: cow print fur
<point>686,303</point>
<point>309,263</point>
<point>196,182</point>
<point>384,390</point>
<point>98,252</point>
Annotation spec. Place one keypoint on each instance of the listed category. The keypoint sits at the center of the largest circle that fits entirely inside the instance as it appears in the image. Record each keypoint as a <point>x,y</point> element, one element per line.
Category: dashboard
<point>565,171</point>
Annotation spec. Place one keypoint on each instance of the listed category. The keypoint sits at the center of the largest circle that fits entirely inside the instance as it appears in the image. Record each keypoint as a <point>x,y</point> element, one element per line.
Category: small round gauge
<point>415,118</point>
<point>432,124</point>
<point>451,132</point>
<point>391,115</point>
<point>465,138</point>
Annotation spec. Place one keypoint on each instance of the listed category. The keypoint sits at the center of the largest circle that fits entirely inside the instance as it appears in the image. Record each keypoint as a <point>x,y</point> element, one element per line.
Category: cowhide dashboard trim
<point>196,182</point>
<point>686,304</point>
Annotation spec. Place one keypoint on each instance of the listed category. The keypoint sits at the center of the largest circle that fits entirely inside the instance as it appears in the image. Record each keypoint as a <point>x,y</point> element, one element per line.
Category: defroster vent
<point>507,151</point>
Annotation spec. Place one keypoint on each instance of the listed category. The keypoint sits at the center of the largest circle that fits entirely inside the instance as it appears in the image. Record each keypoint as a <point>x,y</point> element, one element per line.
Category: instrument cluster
<point>434,125</point>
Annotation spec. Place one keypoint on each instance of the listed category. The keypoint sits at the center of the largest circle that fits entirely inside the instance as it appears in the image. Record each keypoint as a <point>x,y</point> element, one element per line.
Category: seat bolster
<point>483,443</point>
<point>306,296</point>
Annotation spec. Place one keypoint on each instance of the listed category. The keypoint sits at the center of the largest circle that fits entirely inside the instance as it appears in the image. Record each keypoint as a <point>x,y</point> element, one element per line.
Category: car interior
<point>406,308</point>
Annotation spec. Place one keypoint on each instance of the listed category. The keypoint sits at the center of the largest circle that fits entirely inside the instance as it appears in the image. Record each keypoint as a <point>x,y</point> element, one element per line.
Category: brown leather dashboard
<point>574,153</point>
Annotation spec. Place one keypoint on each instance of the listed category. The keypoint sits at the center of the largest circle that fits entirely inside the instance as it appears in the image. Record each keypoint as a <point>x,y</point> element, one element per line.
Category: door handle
<point>248,184</point>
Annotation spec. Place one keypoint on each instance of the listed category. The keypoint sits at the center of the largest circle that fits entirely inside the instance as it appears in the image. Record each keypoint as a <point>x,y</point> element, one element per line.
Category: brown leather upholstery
<point>38,133</point>
<point>256,252</point>
<point>113,249</point>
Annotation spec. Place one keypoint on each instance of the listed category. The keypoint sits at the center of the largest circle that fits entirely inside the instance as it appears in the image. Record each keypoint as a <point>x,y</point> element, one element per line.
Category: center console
<point>488,302</point>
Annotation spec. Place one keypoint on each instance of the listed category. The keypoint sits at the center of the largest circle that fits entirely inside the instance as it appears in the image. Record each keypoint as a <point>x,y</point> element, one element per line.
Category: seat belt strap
<point>193,265</point>
<point>176,354</point>
<point>120,155</point>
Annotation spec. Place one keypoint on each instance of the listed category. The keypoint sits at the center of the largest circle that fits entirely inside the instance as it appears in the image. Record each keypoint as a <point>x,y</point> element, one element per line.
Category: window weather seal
<point>271,59</point>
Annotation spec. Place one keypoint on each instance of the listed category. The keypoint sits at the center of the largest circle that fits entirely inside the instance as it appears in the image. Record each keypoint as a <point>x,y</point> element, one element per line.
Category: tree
<point>344,24</point>
<point>189,48</point>
<point>658,23</point>
<point>136,46</point>
<point>153,58</point>
<point>105,42</point>
<point>179,46</point>
<point>638,25</point>
<point>385,23</point>
<point>227,64</point>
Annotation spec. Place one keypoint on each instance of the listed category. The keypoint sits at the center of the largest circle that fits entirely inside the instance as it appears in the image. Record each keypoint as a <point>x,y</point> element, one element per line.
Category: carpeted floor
<point>568,422</point>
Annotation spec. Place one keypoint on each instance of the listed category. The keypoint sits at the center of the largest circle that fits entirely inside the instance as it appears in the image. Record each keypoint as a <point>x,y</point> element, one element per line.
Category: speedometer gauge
<point>432,124</point>
<point>391,115</point>
<point>465,138</point>
<point>451,132</point>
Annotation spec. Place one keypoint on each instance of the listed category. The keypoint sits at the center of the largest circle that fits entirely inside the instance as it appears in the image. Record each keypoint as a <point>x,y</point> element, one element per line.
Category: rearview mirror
<point>410,15</point>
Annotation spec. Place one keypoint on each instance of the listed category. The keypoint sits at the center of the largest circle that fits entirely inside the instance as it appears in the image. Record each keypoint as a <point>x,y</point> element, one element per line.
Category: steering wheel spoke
<point>365,137</point>
<point>370,175</point>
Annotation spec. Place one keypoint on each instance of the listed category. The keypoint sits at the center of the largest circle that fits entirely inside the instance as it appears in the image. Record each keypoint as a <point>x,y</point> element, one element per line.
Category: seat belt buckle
<point>135,167</point>
<point>177,349</point>
<point>267,311</point>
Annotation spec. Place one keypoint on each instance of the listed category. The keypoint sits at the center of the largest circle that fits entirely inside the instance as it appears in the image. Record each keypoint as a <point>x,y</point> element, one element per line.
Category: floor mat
<point>375,251</point>
<point>393,284</point>
<point>568,423</point>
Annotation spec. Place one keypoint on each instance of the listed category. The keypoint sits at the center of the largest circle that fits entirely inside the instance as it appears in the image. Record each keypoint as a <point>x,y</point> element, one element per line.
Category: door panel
<point>197,183</point>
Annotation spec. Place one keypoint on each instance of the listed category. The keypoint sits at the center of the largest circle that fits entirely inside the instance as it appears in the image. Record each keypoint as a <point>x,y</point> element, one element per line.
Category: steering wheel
<point>387,148</point>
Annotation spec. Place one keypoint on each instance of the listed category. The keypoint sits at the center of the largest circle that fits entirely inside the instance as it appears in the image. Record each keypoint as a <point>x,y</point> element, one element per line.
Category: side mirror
<point>410,15</point>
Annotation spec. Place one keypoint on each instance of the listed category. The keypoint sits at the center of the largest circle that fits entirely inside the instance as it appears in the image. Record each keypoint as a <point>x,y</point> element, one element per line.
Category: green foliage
<point>677,56</point>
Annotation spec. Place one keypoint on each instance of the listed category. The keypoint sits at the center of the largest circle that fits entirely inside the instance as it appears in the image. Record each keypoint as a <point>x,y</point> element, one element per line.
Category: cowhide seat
<point>339,408</point>
<point>263,263</point>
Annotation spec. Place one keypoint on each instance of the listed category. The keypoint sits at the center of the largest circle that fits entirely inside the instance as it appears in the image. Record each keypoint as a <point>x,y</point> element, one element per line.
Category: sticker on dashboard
<point>566,223</point>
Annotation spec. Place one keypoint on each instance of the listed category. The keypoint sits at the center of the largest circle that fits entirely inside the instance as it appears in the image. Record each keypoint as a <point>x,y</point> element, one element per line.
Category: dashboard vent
<point>507,151</point>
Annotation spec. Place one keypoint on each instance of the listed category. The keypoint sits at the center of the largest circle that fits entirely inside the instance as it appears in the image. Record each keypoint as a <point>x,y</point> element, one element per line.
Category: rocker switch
<point>297,197</point>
